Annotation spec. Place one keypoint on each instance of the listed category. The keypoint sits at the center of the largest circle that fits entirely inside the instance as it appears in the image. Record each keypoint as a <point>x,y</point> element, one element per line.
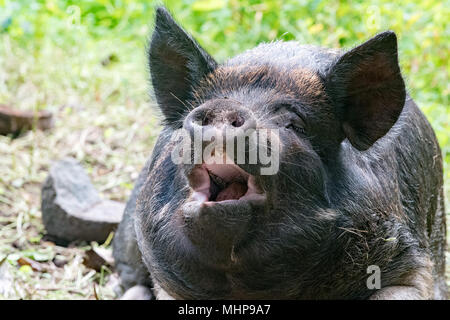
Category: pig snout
<point>220,115</point>
<point>223,196</point>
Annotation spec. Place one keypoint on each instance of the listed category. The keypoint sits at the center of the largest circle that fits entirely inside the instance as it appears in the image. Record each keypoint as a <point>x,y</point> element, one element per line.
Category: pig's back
<point>402,176</point>
<point>419,174</point>
<point>412,154</point>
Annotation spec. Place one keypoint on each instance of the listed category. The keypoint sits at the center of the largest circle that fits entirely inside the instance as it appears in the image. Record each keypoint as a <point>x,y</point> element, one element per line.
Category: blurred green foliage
<point>89,31</point>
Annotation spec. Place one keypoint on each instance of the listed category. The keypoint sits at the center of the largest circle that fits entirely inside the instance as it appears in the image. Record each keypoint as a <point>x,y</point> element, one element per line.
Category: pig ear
<point>177,63</point>
<point>368,89</point>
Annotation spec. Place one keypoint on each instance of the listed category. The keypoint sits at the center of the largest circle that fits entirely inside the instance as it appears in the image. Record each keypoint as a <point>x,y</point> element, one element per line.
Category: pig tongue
<point>234,191</point>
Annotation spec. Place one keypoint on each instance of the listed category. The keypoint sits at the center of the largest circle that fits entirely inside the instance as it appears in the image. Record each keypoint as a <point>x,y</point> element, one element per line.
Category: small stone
<point>60,261</point>
<point>97,257</point>
<point>71,207</point>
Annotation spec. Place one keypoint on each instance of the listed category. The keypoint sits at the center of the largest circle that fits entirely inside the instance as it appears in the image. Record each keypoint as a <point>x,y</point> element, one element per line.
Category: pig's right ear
<point>177,64</point>
<point>368,89</point>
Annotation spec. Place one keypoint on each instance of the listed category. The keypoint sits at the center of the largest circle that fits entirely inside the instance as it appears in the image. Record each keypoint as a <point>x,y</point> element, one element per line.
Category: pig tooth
<point>199,196</point>
<point>252,186</point>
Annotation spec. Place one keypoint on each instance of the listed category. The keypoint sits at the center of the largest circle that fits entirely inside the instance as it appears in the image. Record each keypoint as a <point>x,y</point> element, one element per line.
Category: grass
<point>85,61</point>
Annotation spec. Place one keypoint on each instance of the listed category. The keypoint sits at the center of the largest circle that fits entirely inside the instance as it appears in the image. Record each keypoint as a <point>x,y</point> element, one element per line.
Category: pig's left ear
<point>177,64</point>
<point>368,89</point>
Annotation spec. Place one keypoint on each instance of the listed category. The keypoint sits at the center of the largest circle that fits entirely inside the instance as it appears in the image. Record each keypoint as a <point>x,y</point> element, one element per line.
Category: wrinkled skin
<point>360,181</point>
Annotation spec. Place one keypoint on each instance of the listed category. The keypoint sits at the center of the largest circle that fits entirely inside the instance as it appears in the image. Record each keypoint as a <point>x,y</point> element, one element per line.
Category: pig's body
<point>322,224</point>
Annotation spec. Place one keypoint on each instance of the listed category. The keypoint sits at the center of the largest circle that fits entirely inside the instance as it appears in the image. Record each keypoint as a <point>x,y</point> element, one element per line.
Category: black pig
<point>359,185</point>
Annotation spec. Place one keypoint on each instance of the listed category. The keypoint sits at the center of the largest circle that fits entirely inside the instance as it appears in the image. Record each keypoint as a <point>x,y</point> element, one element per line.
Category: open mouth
<point>221,182</point>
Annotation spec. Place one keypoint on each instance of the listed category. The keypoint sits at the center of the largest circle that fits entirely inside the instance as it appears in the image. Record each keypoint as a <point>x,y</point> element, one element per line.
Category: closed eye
<point>289,116</point>
<point>296,128</point>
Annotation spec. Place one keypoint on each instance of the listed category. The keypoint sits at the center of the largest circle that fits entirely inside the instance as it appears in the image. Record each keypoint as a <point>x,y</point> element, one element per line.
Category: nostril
<point>238,122</point>
<point>207,118</point>
<point>214,114</point>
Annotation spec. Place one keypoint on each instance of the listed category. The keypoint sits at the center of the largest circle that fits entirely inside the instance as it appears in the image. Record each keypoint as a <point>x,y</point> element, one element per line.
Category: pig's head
<point>231,231</point>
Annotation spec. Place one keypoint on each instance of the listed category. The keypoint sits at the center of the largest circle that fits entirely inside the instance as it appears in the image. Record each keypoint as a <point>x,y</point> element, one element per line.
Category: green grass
<point>51,55</point>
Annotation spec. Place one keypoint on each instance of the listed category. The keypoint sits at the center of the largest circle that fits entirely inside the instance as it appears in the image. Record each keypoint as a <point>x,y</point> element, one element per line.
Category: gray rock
<point>71,207</point>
